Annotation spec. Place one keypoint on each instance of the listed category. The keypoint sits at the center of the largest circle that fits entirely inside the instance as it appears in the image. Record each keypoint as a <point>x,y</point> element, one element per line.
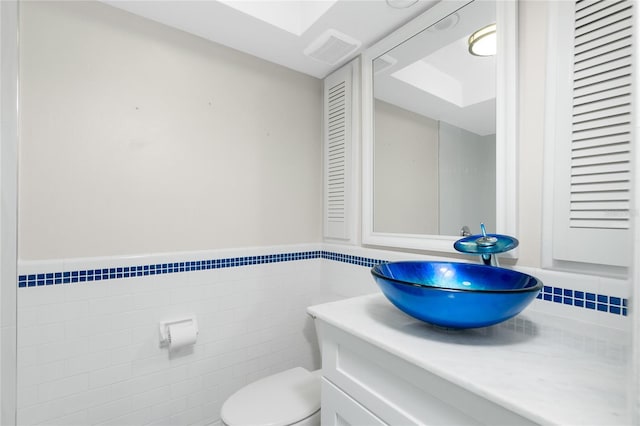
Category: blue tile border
<point>354,260</point>
<point>102,274</point>
<point>587,300</point>
<point>580,299</point>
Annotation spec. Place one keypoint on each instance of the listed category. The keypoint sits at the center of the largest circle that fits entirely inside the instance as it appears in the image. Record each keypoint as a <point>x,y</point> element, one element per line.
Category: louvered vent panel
<point>336,155</point>
<point>601,127</point>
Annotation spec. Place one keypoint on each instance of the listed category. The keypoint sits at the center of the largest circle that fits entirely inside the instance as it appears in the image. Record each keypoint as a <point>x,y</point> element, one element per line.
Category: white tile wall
<point>88,353</point>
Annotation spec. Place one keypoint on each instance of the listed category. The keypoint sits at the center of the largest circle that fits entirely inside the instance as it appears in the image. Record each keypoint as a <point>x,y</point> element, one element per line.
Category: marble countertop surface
<point>548,369</point>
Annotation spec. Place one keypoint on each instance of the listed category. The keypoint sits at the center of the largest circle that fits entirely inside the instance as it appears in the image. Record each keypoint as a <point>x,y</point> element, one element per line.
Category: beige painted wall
<point>137,138</point>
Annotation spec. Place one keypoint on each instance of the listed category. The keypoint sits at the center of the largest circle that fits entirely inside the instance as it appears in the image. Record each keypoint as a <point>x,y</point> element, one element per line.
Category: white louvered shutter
<point>593,164</point>
<point>337,152</point>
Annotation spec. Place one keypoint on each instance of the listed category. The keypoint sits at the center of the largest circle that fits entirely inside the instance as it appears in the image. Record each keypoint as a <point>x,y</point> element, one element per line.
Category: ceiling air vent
<point>332,47</point>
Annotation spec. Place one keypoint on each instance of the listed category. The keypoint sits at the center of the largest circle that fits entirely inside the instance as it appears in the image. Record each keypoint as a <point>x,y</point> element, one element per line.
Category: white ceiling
<point>364,20</point>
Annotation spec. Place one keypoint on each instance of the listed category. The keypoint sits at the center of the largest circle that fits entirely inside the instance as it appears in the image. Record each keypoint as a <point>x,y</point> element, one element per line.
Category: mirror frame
<point>506,128</point>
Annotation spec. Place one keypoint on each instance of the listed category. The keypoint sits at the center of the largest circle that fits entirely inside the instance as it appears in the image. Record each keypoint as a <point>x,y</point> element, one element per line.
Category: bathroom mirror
<point>439,129</point>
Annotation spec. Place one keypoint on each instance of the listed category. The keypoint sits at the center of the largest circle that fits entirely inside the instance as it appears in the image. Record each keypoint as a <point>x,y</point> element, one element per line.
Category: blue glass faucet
<point>486,245</point>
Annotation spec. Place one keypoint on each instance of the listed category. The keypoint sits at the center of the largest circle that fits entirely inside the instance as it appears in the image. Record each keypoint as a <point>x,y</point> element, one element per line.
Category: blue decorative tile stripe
<point>354,260</point>
<point>102,274</point>
<point>600,302</point>
<point>582,299</point>
<point>70,277</point>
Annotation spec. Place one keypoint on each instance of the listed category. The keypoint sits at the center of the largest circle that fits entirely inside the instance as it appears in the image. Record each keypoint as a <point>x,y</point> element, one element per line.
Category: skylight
<point>292,16</point>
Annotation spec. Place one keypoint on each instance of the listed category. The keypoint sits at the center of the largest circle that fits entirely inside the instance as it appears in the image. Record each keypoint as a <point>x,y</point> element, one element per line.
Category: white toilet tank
<point>291,397</point>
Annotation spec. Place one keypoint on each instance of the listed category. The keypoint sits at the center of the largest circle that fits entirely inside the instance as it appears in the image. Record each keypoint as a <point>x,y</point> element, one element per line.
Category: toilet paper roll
<point>182,335</point>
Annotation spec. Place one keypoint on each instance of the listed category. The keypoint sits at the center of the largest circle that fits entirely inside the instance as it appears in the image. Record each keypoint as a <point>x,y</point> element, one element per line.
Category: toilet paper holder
<point>165,337</point>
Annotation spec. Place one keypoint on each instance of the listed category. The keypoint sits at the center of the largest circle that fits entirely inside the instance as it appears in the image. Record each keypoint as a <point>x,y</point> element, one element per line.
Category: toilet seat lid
<point>278,400</point>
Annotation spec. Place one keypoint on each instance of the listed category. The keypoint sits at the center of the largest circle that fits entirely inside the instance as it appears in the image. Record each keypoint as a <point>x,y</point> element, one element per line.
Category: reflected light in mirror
<point>483,42</point>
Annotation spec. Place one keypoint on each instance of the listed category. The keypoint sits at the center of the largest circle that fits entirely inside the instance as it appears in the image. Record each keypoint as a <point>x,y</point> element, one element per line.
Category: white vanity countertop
<point>550,370</point>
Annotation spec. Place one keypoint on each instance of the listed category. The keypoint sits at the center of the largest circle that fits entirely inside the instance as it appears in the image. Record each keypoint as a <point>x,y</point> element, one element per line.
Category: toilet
<point>291,397</point>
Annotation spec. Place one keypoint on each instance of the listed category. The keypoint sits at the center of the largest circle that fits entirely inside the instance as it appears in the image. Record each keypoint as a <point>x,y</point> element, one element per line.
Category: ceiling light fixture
<point>483,42</point>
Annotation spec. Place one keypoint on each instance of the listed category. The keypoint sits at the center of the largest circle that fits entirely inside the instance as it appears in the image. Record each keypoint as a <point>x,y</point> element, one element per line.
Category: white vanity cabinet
<point>381,366</point>
<point>366,385</point>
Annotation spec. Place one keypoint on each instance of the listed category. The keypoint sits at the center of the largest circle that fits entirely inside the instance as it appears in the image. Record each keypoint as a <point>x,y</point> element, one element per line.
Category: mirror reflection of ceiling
<point>433,73</point>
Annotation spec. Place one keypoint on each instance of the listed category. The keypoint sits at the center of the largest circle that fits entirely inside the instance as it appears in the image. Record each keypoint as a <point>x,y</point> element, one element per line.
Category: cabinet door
<point>340,162</point>
<point>338,409</point>
<point>589,121</point>
<point>397,392</point>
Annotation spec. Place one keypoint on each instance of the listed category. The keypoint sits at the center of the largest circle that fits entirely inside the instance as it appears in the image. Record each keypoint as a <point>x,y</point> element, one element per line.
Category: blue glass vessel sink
<point>456,295</point>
